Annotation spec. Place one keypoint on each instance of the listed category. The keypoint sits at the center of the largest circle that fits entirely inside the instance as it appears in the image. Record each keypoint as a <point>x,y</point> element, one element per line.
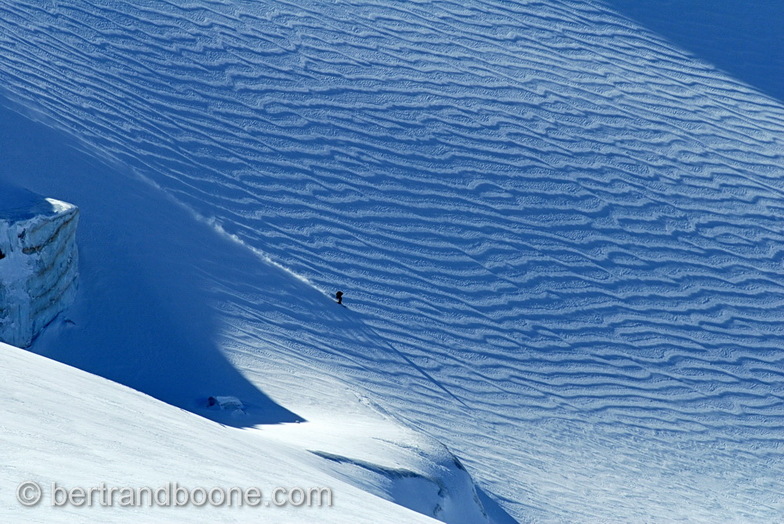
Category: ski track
<point>553,226</point>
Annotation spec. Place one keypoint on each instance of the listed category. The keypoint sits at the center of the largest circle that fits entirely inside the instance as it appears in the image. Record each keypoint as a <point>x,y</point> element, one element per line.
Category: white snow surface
<point>66,428</point>
<point>558,234</point>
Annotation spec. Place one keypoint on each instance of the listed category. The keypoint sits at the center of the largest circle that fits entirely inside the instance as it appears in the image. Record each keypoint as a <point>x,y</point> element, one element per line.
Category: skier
<point>339,296</point>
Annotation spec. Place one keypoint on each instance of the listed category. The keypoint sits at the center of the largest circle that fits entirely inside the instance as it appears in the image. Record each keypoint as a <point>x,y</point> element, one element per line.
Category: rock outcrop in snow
<point>38,262</point>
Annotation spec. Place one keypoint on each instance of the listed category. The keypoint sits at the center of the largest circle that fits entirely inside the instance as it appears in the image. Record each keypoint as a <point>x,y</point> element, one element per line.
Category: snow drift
<point>38,262</point>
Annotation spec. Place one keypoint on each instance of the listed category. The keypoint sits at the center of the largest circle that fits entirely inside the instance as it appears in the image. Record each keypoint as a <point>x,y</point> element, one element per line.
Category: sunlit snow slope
<point>66,428</point>
<point>559,236</point>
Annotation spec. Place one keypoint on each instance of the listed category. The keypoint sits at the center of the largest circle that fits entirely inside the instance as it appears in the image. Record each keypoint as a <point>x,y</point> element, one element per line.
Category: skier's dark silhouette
<point>339,296</point>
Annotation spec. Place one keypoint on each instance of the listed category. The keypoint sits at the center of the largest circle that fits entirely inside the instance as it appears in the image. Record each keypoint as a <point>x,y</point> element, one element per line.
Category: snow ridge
<point>564,222</point>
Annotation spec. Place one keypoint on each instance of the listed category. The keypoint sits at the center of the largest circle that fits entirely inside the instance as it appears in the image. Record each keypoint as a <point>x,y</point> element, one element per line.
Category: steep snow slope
<point>154,281</point>
<point>558,235</point>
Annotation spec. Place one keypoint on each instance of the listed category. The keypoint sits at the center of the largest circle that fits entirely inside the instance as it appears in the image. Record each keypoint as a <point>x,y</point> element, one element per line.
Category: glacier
<point>559,235</point>
<point>38,262</point>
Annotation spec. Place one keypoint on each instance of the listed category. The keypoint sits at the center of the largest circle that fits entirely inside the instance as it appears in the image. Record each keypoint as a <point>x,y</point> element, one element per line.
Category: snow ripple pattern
<point>567,233</point>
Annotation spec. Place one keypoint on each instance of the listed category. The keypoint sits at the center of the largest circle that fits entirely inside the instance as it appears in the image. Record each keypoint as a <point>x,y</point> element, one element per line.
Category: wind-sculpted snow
<point>559,237</point>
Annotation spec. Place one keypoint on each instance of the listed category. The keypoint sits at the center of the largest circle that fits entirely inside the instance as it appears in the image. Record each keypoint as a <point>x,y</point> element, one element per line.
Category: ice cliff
<point>38,262</point>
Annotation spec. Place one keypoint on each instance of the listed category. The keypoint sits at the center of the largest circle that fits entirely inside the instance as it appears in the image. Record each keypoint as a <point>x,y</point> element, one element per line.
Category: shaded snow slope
<point>739,37</point>
<point>559,236</point>
<point>144,316</point>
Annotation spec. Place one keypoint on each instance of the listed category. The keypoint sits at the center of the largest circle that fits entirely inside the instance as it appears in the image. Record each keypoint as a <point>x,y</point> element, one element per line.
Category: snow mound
<point>441,496</point>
